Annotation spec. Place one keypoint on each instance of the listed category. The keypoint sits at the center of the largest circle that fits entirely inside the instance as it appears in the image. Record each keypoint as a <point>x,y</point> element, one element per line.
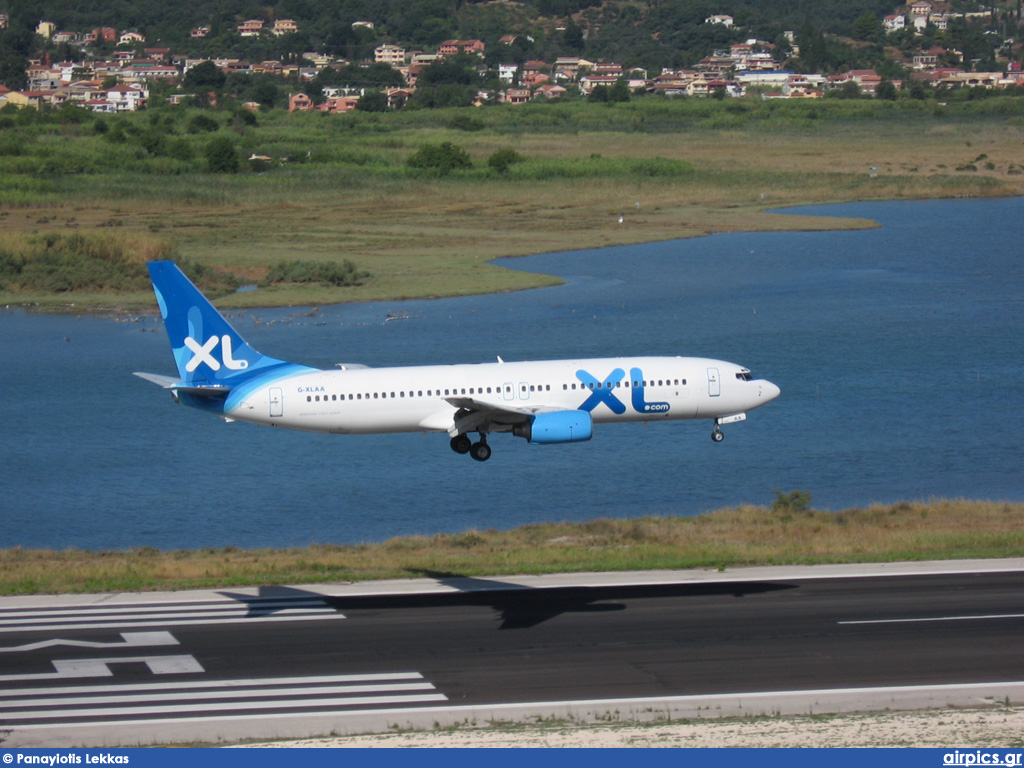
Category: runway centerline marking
<point>933,619</point>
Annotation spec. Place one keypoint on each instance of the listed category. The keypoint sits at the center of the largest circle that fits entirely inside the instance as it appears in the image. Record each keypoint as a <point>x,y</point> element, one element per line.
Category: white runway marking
<point>71,704</point>
<point>938,618</point>
<point>131,640</point>
<point>77,668</point>
<point>204,612</point>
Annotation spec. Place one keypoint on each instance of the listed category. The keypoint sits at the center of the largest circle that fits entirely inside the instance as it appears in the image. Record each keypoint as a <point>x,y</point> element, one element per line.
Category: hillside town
<point>123,80</point>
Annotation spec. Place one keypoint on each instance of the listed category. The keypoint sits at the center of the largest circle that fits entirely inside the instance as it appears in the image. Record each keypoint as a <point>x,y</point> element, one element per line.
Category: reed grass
<point>338,187</point>
<point>740,536</point>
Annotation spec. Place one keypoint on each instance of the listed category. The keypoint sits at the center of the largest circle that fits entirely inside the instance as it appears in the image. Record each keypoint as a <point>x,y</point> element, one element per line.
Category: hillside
<point>653,34</point>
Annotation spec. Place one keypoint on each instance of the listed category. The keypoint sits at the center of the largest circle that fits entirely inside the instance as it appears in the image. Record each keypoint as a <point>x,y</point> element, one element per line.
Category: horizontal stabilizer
<point>167,382</point>
<point>178,387</point>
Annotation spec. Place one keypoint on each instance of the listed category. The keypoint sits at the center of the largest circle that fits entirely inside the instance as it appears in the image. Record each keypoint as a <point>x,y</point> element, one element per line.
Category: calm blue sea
<point>899,350</point>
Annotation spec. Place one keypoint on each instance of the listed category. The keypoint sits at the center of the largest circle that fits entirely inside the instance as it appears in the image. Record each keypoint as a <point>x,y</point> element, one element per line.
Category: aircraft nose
<point>769,391</point>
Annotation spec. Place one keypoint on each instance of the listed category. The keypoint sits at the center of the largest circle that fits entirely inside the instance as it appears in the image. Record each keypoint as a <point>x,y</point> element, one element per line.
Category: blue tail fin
<point>207,350</point>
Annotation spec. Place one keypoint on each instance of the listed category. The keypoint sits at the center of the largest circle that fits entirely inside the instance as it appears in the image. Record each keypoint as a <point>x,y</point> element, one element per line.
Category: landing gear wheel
<point>461,444</point>
<point>716,435</point>
<point>480,451</point>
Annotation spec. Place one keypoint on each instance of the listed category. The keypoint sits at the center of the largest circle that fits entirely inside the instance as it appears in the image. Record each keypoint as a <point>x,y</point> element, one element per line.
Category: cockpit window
<point>744,375</point>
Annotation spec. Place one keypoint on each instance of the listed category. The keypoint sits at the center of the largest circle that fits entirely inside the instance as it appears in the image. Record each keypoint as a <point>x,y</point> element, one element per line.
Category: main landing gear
<point>480,451</point>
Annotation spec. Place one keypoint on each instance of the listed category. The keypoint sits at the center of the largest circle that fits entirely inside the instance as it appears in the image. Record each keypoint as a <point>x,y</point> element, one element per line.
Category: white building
<point>392,55</point>
<point>894,22</point>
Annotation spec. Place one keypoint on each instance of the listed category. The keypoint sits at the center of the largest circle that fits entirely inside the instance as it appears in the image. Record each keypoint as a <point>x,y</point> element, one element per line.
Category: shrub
<point>466,123</point>
<point>794,501</point>
<point>80,262</point>
<point>503,158</point>
<point>202,124</point>
<point>180,149</point>
<point>325,273</point>
<point>441,158</point>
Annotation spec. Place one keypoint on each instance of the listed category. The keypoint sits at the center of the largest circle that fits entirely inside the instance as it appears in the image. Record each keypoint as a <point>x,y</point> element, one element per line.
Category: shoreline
<point>601,185</point>
<point>727,538</point>
<point>143,306</point>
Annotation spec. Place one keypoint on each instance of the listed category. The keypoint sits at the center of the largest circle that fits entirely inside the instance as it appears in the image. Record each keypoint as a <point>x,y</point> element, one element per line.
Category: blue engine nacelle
<point>558,427</point>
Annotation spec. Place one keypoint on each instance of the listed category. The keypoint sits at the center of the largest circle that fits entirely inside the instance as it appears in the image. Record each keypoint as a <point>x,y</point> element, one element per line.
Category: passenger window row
<point>450,392</point>
<point>619,384</point>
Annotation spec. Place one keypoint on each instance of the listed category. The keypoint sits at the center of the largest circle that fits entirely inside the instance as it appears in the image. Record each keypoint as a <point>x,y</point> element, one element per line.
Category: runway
<point>286,662</point>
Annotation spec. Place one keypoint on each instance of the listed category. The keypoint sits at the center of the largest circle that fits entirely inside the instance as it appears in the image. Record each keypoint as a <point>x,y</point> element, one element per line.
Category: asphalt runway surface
<point>282,661</point>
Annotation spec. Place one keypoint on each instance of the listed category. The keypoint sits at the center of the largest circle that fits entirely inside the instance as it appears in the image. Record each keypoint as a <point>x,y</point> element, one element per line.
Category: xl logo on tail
<point>203,353</point>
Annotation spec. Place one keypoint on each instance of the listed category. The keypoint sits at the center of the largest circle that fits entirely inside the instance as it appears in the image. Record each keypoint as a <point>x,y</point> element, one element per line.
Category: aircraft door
<point>714,383</point>
<point>524,390</point>
<point>509,390</point>
<point>276,402</point>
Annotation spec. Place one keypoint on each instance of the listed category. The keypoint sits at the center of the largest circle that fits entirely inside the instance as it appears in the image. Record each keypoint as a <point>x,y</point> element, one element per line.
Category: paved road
<point>298,661</point>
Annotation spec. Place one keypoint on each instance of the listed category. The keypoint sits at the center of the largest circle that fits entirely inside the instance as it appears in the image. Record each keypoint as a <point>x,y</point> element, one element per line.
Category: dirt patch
<point>982,728</point>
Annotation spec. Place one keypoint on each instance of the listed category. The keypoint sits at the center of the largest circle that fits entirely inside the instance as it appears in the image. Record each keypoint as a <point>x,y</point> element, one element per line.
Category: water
<point>899,352</point>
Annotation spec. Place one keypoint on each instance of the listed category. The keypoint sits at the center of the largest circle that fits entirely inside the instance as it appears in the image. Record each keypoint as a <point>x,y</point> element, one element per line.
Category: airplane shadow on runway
<point>519,607</point>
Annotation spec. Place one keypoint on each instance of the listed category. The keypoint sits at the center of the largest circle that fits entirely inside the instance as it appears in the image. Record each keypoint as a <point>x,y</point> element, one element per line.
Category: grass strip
<point>747,535</point>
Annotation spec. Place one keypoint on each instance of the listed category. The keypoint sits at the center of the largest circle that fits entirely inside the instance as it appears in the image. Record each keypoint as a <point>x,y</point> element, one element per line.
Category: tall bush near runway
<point>221,156</point>
<point>441,158</point>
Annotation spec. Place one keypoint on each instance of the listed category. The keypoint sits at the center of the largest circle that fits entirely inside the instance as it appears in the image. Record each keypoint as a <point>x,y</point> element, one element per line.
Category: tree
<point>15,44</point>
<point>572,37</point>
<point>850,90</point>
<point>620,91</point>
<point>204,75</point>
<point>886,90</point>
<point>372,101</point>
<point>868,27</point>
<point>457,70</point>
<point>266,93</point>
<point>918,90</point>
<point>221,156</point>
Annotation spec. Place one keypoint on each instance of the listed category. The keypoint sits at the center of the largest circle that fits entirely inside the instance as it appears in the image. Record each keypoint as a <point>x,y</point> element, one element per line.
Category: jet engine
<point>557,427</point>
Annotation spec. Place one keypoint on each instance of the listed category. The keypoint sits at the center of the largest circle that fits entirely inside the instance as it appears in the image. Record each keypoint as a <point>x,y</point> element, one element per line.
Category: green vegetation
<point>515,180</point>
<point>221,156</point>
<point>95,261</point>
<point>344,274</point>
<point>441,158</point>
<point>740,536</point>
<point>503,158</point>
<point>831,34</point>
<point>789,503</point>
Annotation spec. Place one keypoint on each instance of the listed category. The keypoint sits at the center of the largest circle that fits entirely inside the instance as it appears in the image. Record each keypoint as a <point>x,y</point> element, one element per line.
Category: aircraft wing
<point>473,414</point>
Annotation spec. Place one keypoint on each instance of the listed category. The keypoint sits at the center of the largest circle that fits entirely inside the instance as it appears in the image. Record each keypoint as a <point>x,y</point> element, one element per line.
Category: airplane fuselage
<point>427,398</point>
<point>544,402</point>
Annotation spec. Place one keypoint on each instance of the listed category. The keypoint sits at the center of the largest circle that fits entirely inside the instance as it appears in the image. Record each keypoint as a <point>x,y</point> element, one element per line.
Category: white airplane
<point>554,401</point>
